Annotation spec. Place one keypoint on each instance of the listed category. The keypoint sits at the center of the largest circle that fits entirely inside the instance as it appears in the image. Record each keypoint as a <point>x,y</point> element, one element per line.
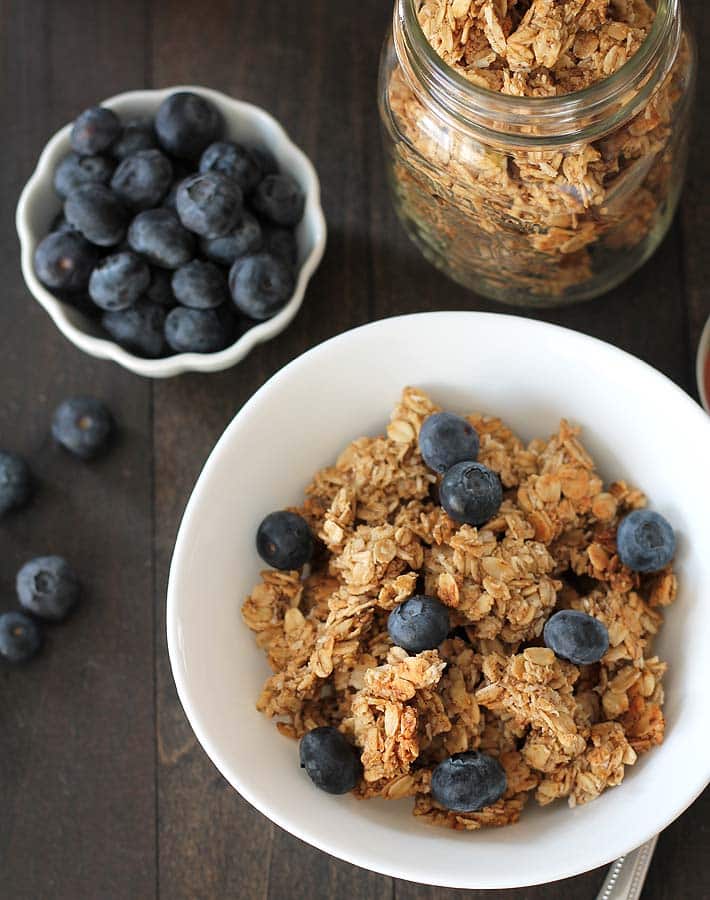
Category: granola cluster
<point>545,221</point>
<point>557,729</point>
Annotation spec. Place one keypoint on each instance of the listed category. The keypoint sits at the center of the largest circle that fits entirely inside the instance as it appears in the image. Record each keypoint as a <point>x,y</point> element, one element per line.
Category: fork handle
<point>625,878</point>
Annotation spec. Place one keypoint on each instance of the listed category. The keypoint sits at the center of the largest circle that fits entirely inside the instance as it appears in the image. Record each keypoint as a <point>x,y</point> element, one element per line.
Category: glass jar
<point>537,201</point>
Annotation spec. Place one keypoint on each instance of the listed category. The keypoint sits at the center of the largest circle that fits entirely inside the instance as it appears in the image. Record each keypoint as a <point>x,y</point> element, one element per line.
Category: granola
<point>547,221</point>
<point>558,730</point>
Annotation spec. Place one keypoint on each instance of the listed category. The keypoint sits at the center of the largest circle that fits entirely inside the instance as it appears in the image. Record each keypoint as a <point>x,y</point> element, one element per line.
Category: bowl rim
<point>701,359</point>
<point>302,829</point>
<point>103,348</point>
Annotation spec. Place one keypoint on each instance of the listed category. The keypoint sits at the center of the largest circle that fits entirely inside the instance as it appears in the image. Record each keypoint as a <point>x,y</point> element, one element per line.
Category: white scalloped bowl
<point>39,204</point>
<point>637,425</point>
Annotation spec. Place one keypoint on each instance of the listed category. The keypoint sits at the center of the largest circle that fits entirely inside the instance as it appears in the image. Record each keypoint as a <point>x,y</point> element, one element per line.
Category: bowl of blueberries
<point>171,230</point>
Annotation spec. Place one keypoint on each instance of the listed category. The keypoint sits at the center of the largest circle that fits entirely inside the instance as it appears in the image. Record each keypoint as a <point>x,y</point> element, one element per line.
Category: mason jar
<point>537,201</point>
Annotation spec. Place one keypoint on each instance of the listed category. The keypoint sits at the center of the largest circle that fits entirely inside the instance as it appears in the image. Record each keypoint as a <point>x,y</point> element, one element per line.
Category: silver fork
<point>625,878</point>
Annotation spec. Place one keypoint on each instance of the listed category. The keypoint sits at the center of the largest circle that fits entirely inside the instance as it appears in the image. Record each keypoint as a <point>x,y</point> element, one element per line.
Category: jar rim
<point>556,118</point>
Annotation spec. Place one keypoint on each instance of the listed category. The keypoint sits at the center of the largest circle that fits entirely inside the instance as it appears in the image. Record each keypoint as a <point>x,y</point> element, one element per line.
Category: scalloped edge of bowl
<point>700,362</point>
<point>102,348</point>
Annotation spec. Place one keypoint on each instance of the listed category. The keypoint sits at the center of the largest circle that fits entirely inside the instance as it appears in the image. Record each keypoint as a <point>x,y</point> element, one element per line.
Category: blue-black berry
<point>82,425</point>
<point>119,280</point>
<point>209,204</point>
<point>420,623</point>
<point>284,540</point>
<point>160,289</point>
<point>331,763</point>
<point>234,161</point>
<point>198,330</point>
<point>142,179</point>
<point>64,260</point>
<point>137,134</point>
<point>244,239</point>
<point>15,482</point>
<point>467,782</point>
<point>201,285</point>
<point>186,124</point>
<point>470,493</point>
<point>445,439</point>
<point>645,541</point>
<point>260,285</point>
<point>20,637</point>
<point>281,243</point>
<point>279,199</point>
<point>48,587</point>
<point>94,131</point>
<point>95,211</point>
<point>158,235</point>
<point>74,170</point>
<point>138,329</point>
<point>576,637</point>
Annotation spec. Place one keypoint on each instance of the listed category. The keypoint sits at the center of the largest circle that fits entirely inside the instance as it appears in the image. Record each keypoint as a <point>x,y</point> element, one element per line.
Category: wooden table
<point>105,791</point>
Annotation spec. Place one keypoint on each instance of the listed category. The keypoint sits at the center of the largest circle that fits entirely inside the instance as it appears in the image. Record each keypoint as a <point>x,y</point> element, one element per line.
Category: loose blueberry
<point>260,285</point>
<point>15,482</point>
<point>47,587</point>
<point>234,161</point>
<point>198,330</point>
<point>201,285</point>
<point>64,260</point>
<point>420,623</point>
<point>138,329</point>
<point>142,179</point>
<point>279,199</point>
<point>20,637</point>
<point>119,280</point>
<point>467,782</point>
<point>94,131</point>
<point>209,204</point>
<point>95,211</point>
<point>471,493</point>
<point>331,763</point>
<point>445,439</point>
<point>82,425</point>
<point>244,239</point>
<point>137,134</point>
<point>159,236</point>
<point>186,124</point>
<point>645,541</point>
<point>73,171</point>
<point>281,243</point>
<point>284,540</point>
<point>577,637</point>
<point>160,290</point>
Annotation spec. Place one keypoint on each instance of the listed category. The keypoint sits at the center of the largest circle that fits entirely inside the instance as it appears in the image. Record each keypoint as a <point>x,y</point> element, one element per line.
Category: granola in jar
<point>397,701</point>
<point>536,148</point>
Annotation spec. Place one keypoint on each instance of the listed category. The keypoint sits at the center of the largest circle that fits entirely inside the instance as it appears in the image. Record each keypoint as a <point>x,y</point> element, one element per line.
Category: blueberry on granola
<point>20,637</point>
<point>331,763</point>
<point>467,782</point>
<point>645,541</point>
<point>83,426</point>
<point>284,540</point>
<point>420,623</point>
<point>94,131</point>
<point>15,482</point>
<point>577,637</point>
<point>445,439</point>
<point>471,493</point>
<point>48,587</point>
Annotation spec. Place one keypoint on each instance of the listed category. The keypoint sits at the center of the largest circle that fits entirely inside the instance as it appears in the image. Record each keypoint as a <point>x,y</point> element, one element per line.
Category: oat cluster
<point>558,730</point>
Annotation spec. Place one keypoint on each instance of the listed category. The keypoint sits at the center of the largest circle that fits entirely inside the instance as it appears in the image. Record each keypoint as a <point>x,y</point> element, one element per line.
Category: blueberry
<point>20,637</point>
<point>471,493</point>
<point>137,134</point>
<point>119,280</point>
<point>577,637</point>
<point>209,204</point>
<point>234,161</point>
<point>445,439</point>
<point>260,285</point>
<point>201,285</point>
<point>245,238</point>
<point>645,541</point>
<point>279,199</point>
<point>64,260</point>
<point>160,290</point>
<point>15,482</point>
<point>138,329</point>
<point>331,763</point>
<point>74,171</point>
<point>284,540</point>
<point>281,243</point>
<point>159,236</point>
<point>142,179</point>
<point>198,330</point>
<point>186,124</point>
<point>420,623</point>
<point>97,213</point>
<point>467,782</point>
<point>59,223</point>
<point>265,160</point>
<point>47,587</point>
<point>94,131</point>
<point>83,426</point>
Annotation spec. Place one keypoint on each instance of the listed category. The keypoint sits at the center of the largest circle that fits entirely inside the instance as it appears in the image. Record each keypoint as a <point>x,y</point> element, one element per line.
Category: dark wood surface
<point>105,791</point>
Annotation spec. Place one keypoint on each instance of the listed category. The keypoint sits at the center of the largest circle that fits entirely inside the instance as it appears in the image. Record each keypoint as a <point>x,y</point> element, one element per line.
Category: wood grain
<point>106,792</point>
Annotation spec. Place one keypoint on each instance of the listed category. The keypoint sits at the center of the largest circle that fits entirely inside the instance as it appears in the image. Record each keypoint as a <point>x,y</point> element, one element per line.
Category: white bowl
<point>700,363</point>
<point>637,424</point>
<point>245,122</point>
